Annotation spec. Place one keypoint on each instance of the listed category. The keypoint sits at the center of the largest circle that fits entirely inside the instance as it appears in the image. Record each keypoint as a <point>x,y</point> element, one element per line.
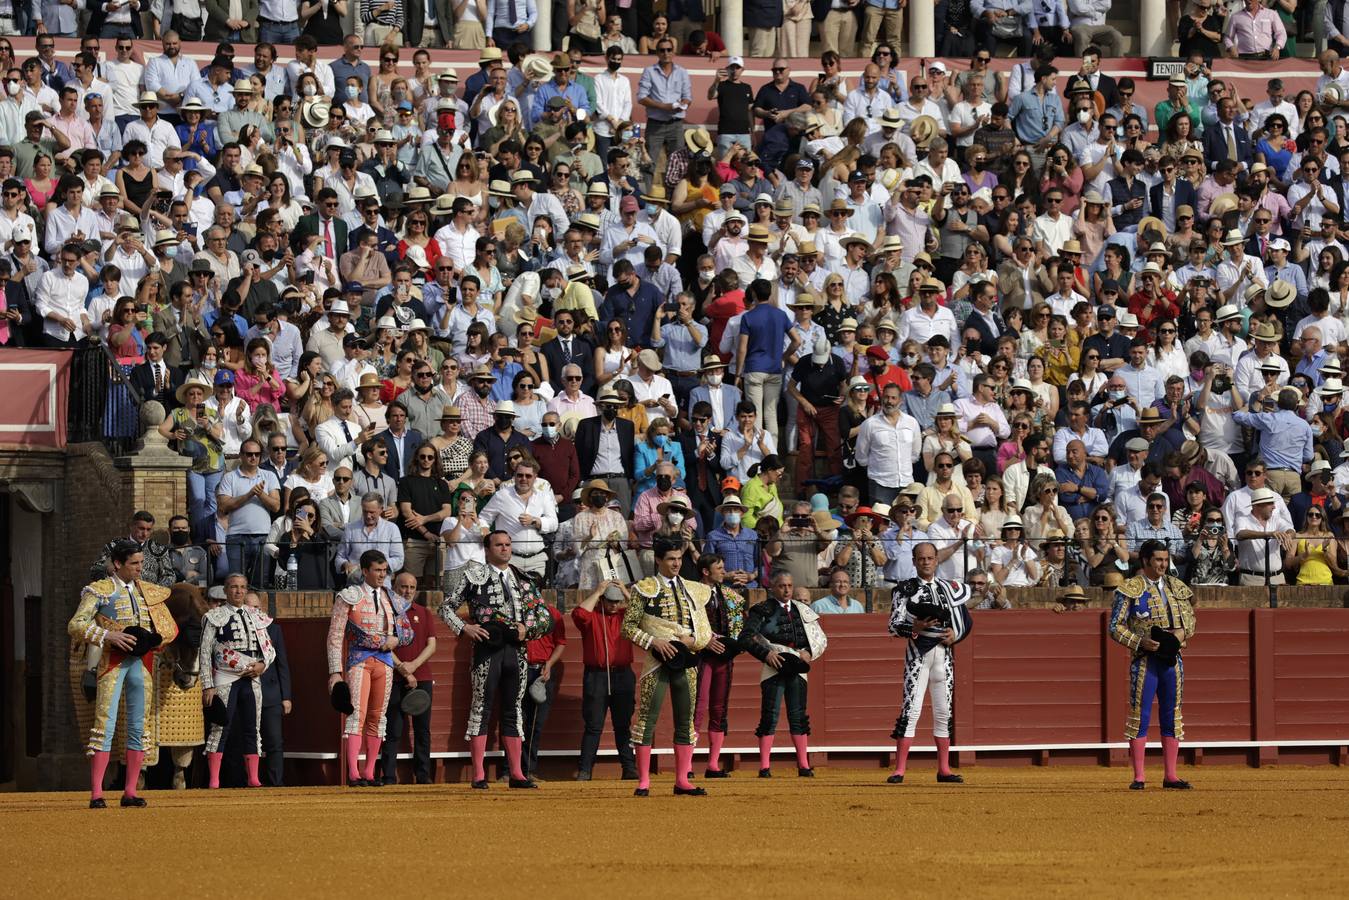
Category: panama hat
<point>181,393</point>
<point>698,140</point>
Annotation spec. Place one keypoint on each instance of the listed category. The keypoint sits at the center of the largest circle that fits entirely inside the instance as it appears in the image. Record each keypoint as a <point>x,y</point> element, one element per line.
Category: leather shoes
<point>358,782</point>
<point>895,779</point>
<point>641,792</point>
<point>98,803</point>
<point>138,802</point>
<point>1177,785</point>
<point>716,773</point>
<point>952,778</point>
<point>1136,786</point>
<point>479,785</point>
<point>689,792</point>
<point>522,784</point>
<point>375,782</point>
<point>765,773</point>
<point>805,773</point>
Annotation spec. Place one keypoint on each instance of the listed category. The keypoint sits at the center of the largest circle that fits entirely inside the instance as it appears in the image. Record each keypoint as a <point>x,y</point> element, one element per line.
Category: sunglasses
<point>952,509</point>
<point>426,456</point>
<point>248,454</point>
<point>340,479</point>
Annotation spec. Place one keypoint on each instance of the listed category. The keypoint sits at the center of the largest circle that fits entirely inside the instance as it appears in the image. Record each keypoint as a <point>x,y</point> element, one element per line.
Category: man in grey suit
<point>370,531</point>
<point>414,22</point>
<point>342,507</point>
<point>723,398</point>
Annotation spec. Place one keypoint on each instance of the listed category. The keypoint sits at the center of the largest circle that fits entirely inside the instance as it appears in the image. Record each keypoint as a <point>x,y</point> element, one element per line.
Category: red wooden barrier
<point>1031,685</point>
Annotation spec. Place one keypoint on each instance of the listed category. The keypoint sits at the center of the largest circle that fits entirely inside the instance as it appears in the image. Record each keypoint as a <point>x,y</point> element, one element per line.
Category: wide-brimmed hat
<point>1054,537</point>
<point>732,500</point>
<point>1070,246</point>
<point>451,413</point>
<point>1151,416</point>
<point>698,140</point>
<point>181,393</point>
<point>1074,594</point>
<point>506,408</point>
<point>1226,312</point>
<point>1012,521</point>
<point>858,383</point>
<point>315,115</point>
<point>1189,452</point>
<point>922,130</point>
<point>673,503</point>
<point>1267,331</point>
<point>649,359</point>
<point>1262,495</point>
<point>711,362</point>
<point>609,395</point>
<point>597,484</point>
<point>855,238</point>
<point>482,373</point>
<point>1233,236</point>
<point>536,68</point>
<point>946,409</point>
<point>1280,294</point>
<point>1332,387</point>
<point>369,380</point>
<point>864,511</point>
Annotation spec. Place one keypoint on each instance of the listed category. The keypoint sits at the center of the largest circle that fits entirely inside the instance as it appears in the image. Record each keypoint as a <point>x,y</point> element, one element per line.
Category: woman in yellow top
<point>1316,553</point>
<point>1060,358</point>
<point>695,196</point>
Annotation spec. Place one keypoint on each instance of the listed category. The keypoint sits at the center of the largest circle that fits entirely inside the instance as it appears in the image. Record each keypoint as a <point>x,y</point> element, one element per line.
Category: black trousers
<point>273,746</point>
<point>792,688</point>
<point>499,670</point>
<point>536,717</point>
<point>613,692</point>
<point>393,734</point>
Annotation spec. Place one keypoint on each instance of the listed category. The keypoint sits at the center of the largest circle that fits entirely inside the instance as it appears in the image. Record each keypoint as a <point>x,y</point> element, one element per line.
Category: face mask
<point>662,440</point>
<point>664,482</point>
<point>399,95</point>
<point>549,432</point>
<point>609,413</point>
<point>713,380</point>
<point>353,92</point>
<point>13,87</point>
<point>552,293</point>
<point>170,251</point>
<point>675,518</point>
<point>706,275</point>
<point>504,422</point>
<point>494,202</point>
<point>597,501</point>
<point>614,65</point>
<point>732,519</point>
<point>625,136</point>
<point>652,210</point>
<point>1118,395</point>
<point>910,359</point>
<point>180,538</point>
<point>308,90</point>
<point>1083,117</point>
<point>208,364</point>
<point>259,361</point>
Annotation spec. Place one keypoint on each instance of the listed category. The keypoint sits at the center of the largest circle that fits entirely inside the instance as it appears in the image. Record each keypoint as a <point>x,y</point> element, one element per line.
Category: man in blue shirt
<point>759,353</point>
<point>1286,440</point>
<point>509,21</point>
<point>1037,114</point>
<point>633,301</point>
<point>1082,485</point>
<point>666,91</point>
<point>737,545</point>
<point>561,86</point>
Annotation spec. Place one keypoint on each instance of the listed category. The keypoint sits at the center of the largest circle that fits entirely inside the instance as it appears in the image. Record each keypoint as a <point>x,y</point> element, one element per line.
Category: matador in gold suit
<point>668,618</point>
<point>128,620</point>
<point>1152,616</point>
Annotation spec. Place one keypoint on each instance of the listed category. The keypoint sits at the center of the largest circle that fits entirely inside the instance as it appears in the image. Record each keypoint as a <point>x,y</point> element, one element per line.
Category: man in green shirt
<point>33,144</point>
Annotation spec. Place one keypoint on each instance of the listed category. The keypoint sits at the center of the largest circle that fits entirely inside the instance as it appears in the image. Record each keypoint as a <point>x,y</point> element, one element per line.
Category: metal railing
<point>104,404</point>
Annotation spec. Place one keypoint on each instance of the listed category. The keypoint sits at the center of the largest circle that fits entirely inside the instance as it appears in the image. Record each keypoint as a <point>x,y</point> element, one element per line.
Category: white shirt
<point>1016,576</point>
<point>157,139</point>
<point>460,248</point>
<point>1238,505</point>
<point>659,386</point>
<point>1053,232</point>
<point>870,107</point>
<point>888,451</point>
<point>124,83</point>
<point>503,512</point>
<point>943,536</point>
<point>733,440</point>
<point>613,99</point>
<point>968,409</point>
<point>617,234</point>
<point>58,294</point>
<point>335,442</point>
<point>61,224</point>
<point>1251,553</point>
<point>918,326</point>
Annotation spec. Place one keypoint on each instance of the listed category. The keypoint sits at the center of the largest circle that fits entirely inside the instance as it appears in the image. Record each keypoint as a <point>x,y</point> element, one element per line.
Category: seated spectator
<point>1013,563</point>
<point>1155,526</point>
<point>1261,545</point>
<point>839,599</point>
<point>985,592</point>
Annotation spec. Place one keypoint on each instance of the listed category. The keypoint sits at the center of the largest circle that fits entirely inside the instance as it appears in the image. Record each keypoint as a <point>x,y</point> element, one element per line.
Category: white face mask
<point>208,364</point>
<point>13,88</point>
<point>713,380</point>
<point>549,431</point>
<point>309,90</point>
<point>1083,117</point>
<point>675,518</point>
<point>706,275</point>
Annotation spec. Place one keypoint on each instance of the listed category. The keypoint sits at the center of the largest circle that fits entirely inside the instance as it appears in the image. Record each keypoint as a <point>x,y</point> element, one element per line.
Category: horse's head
<point>187,604</point>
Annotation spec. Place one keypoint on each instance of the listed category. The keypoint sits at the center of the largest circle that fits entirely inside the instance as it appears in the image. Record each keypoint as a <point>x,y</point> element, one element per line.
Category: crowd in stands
<point>1018,313</point>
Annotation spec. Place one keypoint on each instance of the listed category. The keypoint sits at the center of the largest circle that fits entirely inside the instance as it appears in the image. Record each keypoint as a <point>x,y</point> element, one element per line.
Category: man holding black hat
<point>127,618</point>
<point>235,651</point>
<point>933,616</point>
<point>785,635</point>
<point>505,610</point>
<point>1153,618</point>
<point>373,623</point>
<point>667,617</point>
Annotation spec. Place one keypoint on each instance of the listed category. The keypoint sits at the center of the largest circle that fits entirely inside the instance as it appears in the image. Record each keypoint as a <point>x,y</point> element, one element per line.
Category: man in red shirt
<point>412,671</point>
<point>880,373</point>
<point>542,654</point>
<point>557,463</point>
<point>608,684</point>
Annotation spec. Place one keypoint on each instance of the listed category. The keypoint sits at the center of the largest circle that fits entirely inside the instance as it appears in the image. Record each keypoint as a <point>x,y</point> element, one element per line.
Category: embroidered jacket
<point>481,587</point>
<point>770,626</point>
<point>1139,605</point>
<point>366,617</point>
<point>952,596</point>
<point>661,613</point>
<point>233,638</point>
<point>107,605</point>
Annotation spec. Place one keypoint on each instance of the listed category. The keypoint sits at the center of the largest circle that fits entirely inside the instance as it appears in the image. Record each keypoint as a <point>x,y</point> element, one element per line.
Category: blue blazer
<point>411,441</point>
<point>730,399</point>
<point>1215,144</point>
<point>1185,195</point>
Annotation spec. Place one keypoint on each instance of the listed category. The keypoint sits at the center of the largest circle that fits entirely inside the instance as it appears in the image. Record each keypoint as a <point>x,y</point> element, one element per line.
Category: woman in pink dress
<point>258,382</point>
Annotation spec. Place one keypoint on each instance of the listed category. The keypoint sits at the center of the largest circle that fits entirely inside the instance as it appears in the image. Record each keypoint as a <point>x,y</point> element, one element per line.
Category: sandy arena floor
<point>1061,831</point>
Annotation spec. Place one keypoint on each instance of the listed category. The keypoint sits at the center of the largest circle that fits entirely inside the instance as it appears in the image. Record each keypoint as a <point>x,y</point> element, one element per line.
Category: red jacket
<point>602,642</point>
